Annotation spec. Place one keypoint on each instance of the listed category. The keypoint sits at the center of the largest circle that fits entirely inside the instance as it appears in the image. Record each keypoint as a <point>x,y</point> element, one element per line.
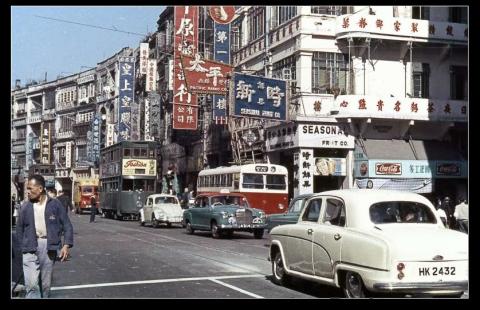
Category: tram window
<point>223,180</point>
<point>143,152</point>
<point>236,180</point>
<point>126,152</point>
<point>276,182</point>
<point>151,154</point>
<point>251,180</point>
<point>136,152</point>
<point>217,180</point>
<point>127,185</point>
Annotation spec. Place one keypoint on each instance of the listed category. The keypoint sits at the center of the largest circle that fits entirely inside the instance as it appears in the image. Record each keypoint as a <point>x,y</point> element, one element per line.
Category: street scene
<point>233,152</point>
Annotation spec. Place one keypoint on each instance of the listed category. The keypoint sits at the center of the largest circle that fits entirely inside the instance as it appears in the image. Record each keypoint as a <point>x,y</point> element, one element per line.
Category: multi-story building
<point>378,94</point>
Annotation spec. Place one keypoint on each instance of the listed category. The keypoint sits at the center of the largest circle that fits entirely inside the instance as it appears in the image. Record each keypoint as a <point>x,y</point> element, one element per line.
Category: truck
<point>82,192</point>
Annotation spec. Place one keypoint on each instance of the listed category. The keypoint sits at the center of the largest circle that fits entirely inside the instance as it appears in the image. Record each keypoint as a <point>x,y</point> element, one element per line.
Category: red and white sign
<point>222,14</point>
<point>388,168</point>
<point>185,110</point>
<point>205,76</point>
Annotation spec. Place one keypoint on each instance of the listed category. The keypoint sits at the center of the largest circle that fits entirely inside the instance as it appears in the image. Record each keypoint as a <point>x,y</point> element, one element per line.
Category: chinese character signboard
<point>45,143</point>
<point>96,138</point>
<point>29,150</point>
<point>110,133</point>
<point>204,76</point>
<point>146,129</point>
<point>135,136</point>
<point>154,119</point>
<point>151,82</point>
<point>259,97</point>
<point>303,175</point>
<point>221,48</point>
<point>143,58</point>
<point>126,93</point>
<point>68,154</point>
<point>185,106</point>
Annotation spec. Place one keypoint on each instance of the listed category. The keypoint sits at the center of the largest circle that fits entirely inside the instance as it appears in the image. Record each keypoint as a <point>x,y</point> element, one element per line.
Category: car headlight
<point>232,220</point>
<point>261,215</point>
<point>224,214</point>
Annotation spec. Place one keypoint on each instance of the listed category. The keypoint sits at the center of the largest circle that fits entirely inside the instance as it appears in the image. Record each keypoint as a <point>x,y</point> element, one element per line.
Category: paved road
<point>121,259</point>
<point>115,259</point>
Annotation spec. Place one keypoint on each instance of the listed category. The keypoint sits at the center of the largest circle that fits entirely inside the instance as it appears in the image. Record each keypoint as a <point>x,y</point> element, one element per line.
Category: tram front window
<point>276,182</point>
<point>252,180</point>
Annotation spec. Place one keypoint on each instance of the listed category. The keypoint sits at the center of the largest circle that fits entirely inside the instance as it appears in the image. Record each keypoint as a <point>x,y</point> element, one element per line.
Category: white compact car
<point>370,242</point>
<point>161,208</point>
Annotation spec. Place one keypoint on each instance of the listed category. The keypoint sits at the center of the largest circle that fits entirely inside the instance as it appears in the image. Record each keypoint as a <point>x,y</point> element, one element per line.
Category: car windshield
<point>165,200</point>
<point>296,207</point>
<point>229,200</point>
<point>401,212</point>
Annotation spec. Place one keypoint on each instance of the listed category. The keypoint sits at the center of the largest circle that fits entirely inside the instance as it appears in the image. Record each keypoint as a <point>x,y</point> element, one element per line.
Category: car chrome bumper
<point>244,226</point>
<point>424,287</point>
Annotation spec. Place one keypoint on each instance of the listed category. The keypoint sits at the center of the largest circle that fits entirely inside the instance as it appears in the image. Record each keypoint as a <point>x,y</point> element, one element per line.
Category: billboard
<point>259,97</point>
<point>126,97</point>
<point>146,167</point>
<point>221,50</point>
<point>330,166</point>
<point>204,76</point>
<point>185,105</point>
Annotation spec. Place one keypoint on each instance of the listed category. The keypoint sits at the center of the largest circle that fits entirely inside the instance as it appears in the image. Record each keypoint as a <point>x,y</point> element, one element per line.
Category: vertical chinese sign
<point>110,133</point>
<point>146,130</point>
<point>45,143</point>
<point>151,82</point>
<point>68,154</point>
<point>143,58</point>
<point>96,137</point>
<point>126,93</point>
<point>305,178</point>
<point>221,47</point>
<point>154,118</point>
<point>185,106</point>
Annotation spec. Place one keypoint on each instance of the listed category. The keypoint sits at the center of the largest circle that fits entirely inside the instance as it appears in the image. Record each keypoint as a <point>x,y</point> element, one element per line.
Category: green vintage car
<point>291,215</point>
<point>222,214</point>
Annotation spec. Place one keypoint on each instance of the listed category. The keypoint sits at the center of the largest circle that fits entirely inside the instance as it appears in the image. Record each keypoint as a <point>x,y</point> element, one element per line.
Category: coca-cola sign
<point>388,169</point>
<point>448,169</point>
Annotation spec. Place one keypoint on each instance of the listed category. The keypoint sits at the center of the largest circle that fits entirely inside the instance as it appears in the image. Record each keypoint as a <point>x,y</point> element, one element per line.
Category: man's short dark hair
<point>52,190</point>
<point>39,180</point>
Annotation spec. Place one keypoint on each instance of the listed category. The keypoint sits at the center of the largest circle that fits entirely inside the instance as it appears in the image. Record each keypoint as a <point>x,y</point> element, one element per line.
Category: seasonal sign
<point>259,97</point>
<point>185,105</point>
<point>221,50</point>
<point>126,93</point>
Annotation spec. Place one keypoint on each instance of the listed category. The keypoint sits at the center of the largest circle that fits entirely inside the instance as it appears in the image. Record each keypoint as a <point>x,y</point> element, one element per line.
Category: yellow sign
<point>147,167</point>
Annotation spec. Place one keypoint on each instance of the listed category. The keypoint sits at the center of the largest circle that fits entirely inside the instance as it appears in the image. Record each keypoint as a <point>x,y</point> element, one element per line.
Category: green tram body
<point>122,193</point>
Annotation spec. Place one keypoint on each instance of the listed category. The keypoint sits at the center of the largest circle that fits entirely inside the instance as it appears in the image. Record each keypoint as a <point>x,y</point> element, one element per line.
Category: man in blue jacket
<point>40,225</point>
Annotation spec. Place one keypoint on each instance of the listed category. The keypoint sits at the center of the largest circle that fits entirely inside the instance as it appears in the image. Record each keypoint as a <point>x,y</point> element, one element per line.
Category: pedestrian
<point>441,212</point>
<point>52,193</point>
<point>447,207</point>
<point>461,215</point>
<point>93,208</point>
<point>184,200</point>
<point>41,222</point>
<point>65,200</point>
<point>14,209</point>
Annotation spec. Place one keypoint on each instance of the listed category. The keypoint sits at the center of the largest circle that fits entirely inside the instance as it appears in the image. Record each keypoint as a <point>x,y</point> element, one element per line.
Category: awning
<point>406,150</point>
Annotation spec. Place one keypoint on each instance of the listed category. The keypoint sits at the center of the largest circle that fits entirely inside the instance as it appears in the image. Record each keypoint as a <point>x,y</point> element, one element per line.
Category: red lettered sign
<point>205,76</point>
<point>388,168</point>
<point>222,14</point>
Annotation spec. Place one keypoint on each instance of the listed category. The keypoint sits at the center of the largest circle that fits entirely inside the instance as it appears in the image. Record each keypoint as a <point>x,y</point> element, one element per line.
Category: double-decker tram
<point>264,185</point>
<point>128,173</point>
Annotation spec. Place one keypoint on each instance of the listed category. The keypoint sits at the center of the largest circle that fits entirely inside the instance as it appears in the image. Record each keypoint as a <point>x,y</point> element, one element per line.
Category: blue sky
<point>41,45</point>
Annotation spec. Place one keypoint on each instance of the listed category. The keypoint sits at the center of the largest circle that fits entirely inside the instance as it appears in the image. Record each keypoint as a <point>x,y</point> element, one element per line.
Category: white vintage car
<point>371,242</point>
<point>161,208</point>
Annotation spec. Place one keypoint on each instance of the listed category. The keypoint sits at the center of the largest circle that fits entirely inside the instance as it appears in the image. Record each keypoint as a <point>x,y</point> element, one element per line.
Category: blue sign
<point>221,48</point>
<point>126,91</point>
<point>259,97</point>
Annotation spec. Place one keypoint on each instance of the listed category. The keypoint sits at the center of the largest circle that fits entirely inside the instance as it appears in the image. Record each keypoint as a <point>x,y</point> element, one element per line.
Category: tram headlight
<point>281,206</point>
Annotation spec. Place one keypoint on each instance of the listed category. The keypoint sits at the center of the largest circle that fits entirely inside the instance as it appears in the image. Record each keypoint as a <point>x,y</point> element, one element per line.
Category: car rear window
<point>401,212</point>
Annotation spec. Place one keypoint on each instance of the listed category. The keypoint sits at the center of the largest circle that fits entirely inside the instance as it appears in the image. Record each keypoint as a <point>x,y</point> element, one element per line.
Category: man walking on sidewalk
<point>41,222</point>
<point>93,208</point>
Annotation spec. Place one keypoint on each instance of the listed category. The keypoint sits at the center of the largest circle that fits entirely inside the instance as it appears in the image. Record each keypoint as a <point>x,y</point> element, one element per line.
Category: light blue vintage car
<point>223,214</point>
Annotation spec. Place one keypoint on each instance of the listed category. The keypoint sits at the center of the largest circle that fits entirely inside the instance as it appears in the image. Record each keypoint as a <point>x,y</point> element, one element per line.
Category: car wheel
<point>189,228</point>
<point>258,233</point>
<point>278,270</point>
<point>215,230</point>
<point>155,222</point>
<point>353,287</point>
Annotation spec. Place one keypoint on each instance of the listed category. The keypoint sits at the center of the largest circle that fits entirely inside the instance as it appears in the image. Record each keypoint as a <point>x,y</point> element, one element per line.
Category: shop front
<point>318,156</point>
<point>431,168</point>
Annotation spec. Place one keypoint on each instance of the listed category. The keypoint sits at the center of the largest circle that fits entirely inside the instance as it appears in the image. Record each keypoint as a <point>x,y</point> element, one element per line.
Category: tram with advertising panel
<point>264,185</point>
<point>128,174</point>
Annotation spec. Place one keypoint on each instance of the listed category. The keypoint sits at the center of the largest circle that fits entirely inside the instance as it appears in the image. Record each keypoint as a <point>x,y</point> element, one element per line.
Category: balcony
<point>21,114</point>
<point>359,106</point>
<point>49,116</point>
<point>35,117</point>
<point>405,29</point>
<point>19,148</point>
<point>19,122</point>
<point>64,135</point>
<point>66,105</point>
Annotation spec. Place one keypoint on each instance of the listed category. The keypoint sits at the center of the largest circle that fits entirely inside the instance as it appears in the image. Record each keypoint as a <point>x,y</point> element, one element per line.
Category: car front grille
<point>244,216</point>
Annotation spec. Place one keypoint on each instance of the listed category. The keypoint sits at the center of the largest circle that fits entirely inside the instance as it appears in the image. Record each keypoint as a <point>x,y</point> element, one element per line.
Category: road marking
<point>72,287</point>
<point>236,288</point>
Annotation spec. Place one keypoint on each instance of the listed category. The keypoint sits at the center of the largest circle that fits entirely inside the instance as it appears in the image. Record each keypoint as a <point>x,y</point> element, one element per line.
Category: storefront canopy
<point>407,150</point>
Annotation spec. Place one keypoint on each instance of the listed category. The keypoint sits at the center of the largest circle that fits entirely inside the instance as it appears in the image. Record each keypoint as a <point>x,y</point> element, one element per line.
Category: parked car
<point>161,208</point>
<point>291,215</point>
<point>222,214</point>
<point>372,241</point>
